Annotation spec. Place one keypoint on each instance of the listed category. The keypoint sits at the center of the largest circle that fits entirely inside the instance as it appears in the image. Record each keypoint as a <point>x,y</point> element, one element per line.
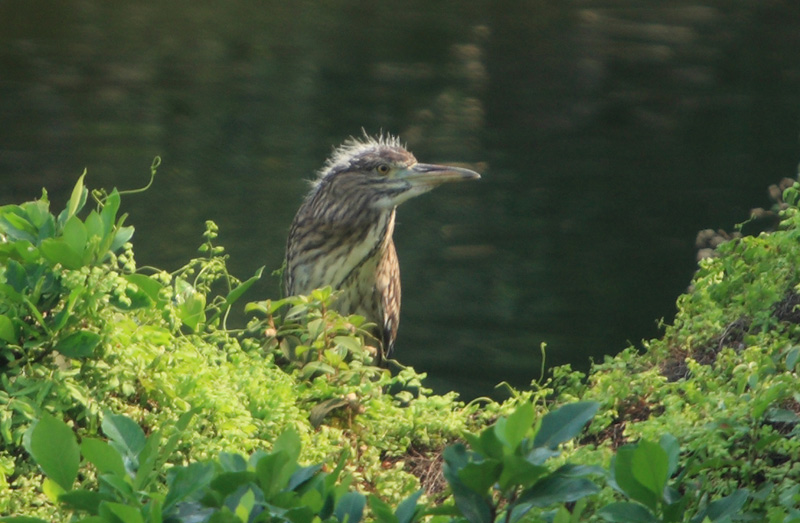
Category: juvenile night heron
<point>342,234</point>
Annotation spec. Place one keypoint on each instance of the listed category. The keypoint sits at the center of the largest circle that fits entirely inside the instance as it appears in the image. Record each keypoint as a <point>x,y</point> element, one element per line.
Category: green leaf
<point>650,467</point>
<point>79,344</point>
<point>109,212</point>
<point>273,472</point>
<point>672,447</point>
<point>125,435</point>
<point>724,508</point>
<point>103,456</point>
<point>288,442</point>
<point>381,510</point>
<point>7,331</point>
<point>240,289</point>
<point>186,481</point>
<point>480,476</point>
<point>511,431</point>
<point>94,226</point>
<point>564,424</point>
<point>58,251</point>
<point>75,235</point>
<point>407,511</point>
<point>110,511</point>
<point>624,478</point>
<point>121,237</point>
<point>76,201</point>
<point>626,512</point>
<point>147,461</point>
<point>519,471</point>
<point>350,507</point>
<point>21,519</point>
<point>473,506</point>
<point>558,489</point>
<point>352,344</point>
<point>52,444</point>
<point>14,223</point>
<point>85,500</point>
<point>319,411</point>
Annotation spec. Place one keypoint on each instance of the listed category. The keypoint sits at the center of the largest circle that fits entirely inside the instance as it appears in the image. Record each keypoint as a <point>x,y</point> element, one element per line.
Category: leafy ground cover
<point>126,396</point>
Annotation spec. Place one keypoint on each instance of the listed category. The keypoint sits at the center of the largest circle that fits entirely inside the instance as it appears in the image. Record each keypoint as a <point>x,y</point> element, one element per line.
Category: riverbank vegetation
<point>125,395</point>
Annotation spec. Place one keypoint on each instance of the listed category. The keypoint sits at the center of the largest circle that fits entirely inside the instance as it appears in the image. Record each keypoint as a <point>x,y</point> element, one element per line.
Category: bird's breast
<point>344,258</point>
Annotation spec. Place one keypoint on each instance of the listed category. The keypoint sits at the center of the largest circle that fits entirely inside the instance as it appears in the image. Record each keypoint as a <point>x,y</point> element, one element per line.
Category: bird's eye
<point>383,169</point>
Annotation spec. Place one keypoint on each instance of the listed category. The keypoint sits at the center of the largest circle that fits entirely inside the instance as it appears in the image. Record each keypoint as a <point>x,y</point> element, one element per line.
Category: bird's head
<point>381,174</point>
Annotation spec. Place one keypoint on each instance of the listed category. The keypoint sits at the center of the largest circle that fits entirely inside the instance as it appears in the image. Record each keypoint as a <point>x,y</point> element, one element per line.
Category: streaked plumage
<point>342,233</point>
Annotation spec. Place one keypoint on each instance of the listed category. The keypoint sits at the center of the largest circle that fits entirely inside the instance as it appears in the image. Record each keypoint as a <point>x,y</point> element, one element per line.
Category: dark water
<point>608,133</point>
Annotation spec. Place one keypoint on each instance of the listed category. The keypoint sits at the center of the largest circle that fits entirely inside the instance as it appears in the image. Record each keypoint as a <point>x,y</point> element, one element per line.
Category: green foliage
<point>504,474</point>
<point>641,472</point>
<point>141,367</point>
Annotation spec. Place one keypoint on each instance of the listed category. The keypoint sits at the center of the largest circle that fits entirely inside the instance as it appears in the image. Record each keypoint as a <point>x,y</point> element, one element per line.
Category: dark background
<point>608,134</point>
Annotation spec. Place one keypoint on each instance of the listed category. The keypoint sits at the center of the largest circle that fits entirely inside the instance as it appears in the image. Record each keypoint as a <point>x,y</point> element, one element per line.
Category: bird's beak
<point>433,175</point>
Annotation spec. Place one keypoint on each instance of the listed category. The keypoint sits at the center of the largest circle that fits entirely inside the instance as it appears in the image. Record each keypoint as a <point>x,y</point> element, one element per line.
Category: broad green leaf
<point>58,251</point>
<point>245,506</point>
<point>349,342</point>
<point>149,286</point>
<point>79,344</point>
<point>321,410</point>
<point>52,444</point>
<point>650,467</point>
<point>147,461</point>
<point>124,434</point>
<point>511,431</point>
<point>724,508</point>
<point>121,237</point>
<point>672,447</point>
<point>270,473</point>
<point>487,444</point>
<point>519,471</point>
<point>7,331</point>
<point>109,212</point>
<point>85,500</point>
<point>557,489</point>
<point>103,456</point>
<point>52,490</point>
<point>381,510</point>
<point>480,476</point>
<point>21,519</point>
<point>564,424</point>
<point>407,509</point>
<point>94,226</point>
<point>184,482</point>
<point>15,225</point>
<point>624,478</point>
<point>125,513</point>
<point>227,482</point>
<point>240,289</point>
<point>301,476</point>
<point>350,507</point>
<point>75,235</point>
<point>191,304</point>
<point>626,512</point>
<point>473,506</point>
<point>288,442</point>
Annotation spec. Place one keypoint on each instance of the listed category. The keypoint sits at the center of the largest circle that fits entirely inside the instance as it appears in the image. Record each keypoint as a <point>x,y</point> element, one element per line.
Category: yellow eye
<point>383,169</point>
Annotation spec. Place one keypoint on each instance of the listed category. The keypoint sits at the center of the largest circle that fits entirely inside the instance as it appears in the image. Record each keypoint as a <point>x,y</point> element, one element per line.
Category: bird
<point>341,235</point>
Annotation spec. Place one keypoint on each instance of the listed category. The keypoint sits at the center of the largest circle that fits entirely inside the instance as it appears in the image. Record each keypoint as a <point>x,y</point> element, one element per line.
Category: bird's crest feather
<point>353,147</point>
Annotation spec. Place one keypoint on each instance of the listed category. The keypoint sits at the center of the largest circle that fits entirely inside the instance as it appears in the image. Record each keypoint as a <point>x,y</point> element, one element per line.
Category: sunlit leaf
<point>564,424</point>
<point>79,344</point>
<point>650,467</point>
<point>103,456</point>
<point>52,444</point>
